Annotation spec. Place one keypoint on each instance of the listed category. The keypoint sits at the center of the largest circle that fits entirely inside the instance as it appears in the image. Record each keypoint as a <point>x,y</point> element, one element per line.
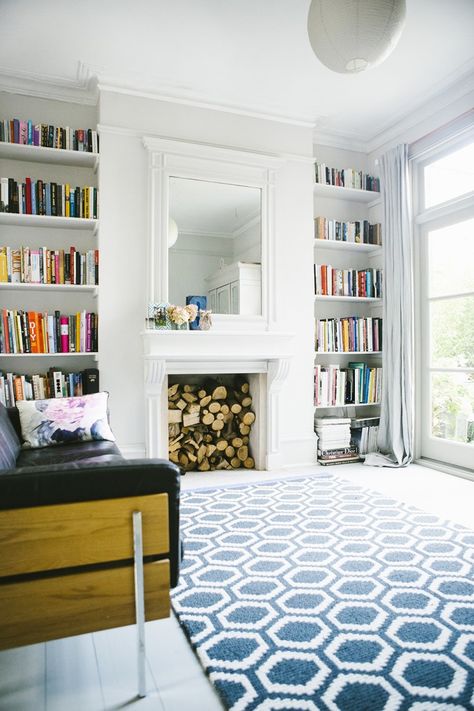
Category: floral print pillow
<point>64,420</point>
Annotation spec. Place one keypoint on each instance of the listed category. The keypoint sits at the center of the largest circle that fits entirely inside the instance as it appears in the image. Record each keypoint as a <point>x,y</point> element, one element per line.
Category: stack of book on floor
<point>334,441</point>
<point>364,433</point>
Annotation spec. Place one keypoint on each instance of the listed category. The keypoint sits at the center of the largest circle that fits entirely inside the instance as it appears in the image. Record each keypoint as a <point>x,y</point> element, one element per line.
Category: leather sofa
<point>67,558</point>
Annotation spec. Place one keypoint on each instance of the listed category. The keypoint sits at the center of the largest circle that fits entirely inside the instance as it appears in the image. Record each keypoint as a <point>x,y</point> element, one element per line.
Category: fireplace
<point>263,358</point>
<point>212,422</point>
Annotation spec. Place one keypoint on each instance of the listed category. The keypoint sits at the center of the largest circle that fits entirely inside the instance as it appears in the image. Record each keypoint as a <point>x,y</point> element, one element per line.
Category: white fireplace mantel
<point>217,352</point>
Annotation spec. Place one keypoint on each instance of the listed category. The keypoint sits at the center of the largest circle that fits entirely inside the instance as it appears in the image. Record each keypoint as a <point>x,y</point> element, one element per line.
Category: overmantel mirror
<point>211,221</point>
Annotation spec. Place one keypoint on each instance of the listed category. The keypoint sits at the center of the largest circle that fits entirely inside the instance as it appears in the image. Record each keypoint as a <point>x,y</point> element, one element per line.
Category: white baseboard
<point>298,452</point>
<point>446,468</point>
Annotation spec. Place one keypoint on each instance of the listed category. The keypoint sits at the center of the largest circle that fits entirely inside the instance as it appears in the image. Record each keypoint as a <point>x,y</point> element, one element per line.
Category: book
<point>346,177</point>
<point>38,197</point>
<point>90,381</point>
<point>64,321</point>
<point>330,462</point>
<point>325,421</point>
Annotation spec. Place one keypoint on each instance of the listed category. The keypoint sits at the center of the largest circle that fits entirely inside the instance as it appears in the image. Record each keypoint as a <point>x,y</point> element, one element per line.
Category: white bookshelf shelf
<point>49,287</point>
<point>352,194</point>
<point>348,353</point>
<point>50,355</point>
<point>347,246</point>
<point>351,404</point>
<point>40,154</point>
<point>70,223</point>
<point>328,297</point>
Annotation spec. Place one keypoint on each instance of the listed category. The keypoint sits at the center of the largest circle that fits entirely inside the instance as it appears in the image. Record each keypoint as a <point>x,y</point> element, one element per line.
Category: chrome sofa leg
<point>139,600</point>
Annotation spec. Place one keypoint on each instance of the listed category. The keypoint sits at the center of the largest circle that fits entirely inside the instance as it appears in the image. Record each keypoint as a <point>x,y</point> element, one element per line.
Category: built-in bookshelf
<point>49,311</point>
<point>347,178</point>
<point>14,131</point>
<point>348,293</point>
<point>53,383</point>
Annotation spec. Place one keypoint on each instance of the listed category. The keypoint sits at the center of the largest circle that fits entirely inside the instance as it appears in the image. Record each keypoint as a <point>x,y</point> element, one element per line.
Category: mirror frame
<point>169,158</point>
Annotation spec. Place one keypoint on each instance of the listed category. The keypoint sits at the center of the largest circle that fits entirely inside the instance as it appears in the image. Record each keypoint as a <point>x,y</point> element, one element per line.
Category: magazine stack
<point>334,441</point>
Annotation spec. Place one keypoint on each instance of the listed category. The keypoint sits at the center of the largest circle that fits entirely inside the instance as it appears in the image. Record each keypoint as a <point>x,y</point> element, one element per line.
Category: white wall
<point>124,212</point>
<point>191,260</point>
<point>247,246</point>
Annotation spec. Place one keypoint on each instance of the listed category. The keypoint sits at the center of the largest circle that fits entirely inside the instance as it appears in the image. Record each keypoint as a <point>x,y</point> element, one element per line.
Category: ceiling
<point>246,55</point>
<point>212,209</point>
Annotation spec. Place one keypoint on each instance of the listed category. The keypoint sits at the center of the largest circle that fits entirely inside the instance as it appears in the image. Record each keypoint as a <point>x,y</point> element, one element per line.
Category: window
<point>445,337</point>
<point>449,176</point>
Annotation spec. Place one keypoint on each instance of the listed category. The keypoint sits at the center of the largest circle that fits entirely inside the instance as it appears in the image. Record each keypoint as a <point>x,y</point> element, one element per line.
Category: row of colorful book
<point>37,197</point>
<point>357,232</point>
<point>349,334</point>
<point>358,384</point>
<point>329,281</point>
<point>40,386</point>
<point>40,265</point>
<point>36,332</point>
<point>28,133</point>
<point>346,178</point>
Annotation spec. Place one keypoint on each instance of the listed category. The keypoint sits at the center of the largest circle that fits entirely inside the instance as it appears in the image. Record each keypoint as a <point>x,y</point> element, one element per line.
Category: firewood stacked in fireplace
<point>209,425</point>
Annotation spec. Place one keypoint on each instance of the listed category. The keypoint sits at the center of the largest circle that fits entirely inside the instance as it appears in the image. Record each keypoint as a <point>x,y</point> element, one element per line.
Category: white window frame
<point>428,449</point>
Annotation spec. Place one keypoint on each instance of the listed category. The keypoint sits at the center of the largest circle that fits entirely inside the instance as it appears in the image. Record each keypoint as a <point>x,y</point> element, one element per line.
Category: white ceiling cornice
<point>346,141</point>
<point>85,88</point>
<point>186,98</point>
<point>82,90</point>
<point>441,96</point>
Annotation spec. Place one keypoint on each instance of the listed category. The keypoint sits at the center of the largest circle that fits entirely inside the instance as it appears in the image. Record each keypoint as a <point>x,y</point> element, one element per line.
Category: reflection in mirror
<point>217,253</point>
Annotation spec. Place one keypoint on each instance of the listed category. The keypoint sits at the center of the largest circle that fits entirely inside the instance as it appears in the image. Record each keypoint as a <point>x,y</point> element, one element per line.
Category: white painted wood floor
<point>98,671</point>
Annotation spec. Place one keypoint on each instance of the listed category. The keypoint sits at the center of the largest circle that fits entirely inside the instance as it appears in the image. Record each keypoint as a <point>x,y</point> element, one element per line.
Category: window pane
<point>452,333</point>
<point>450,176</point>
<point>451,259</point>
<point>452,406</point>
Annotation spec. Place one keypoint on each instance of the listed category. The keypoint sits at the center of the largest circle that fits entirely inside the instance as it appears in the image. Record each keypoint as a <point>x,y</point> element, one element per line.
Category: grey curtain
<point>395,438</point>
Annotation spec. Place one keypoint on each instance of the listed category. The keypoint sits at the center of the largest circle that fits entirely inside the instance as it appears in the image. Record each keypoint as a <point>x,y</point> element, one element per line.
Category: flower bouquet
<point>181,316</point>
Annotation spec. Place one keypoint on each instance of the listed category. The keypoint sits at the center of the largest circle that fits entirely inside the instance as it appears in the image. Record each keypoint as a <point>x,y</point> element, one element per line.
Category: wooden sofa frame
<point>74,568</point>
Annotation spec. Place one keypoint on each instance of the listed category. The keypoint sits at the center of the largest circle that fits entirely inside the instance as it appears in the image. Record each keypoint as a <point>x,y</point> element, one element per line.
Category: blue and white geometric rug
<point>318,595</point>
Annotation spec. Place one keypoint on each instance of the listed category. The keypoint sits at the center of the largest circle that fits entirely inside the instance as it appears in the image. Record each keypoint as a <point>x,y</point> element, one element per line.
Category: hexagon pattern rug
<point>319,595</point>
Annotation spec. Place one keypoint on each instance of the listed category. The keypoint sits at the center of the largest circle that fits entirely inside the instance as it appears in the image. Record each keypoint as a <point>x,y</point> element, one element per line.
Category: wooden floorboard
<point>72,675</point>
<point>116,652</point>
<point>22,678</point>
<point>177,672</point>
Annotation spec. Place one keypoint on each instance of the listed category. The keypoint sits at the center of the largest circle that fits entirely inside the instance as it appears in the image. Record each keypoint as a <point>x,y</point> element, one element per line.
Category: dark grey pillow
<point>9,443</point>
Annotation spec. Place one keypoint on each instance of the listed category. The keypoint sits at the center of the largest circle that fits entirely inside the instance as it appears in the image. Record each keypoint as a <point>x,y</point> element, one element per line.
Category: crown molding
<point>206,233</point>
<point>252,222</point>
<point>438,98</point>
<point>446,92</point>
<point>346,141</point>
<point>186,98</point>
<point>81,90</point>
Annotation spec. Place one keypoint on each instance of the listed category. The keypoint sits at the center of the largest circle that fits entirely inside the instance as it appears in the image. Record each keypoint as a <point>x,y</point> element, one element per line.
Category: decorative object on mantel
<point>349,36</point>
<point>205,320</point>
<point>182,316</point>
<point>158,318</point>
<point>201,303</point>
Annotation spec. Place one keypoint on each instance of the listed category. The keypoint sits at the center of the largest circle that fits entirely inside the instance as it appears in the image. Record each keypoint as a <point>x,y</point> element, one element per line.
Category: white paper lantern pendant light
<point>349,36</point>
